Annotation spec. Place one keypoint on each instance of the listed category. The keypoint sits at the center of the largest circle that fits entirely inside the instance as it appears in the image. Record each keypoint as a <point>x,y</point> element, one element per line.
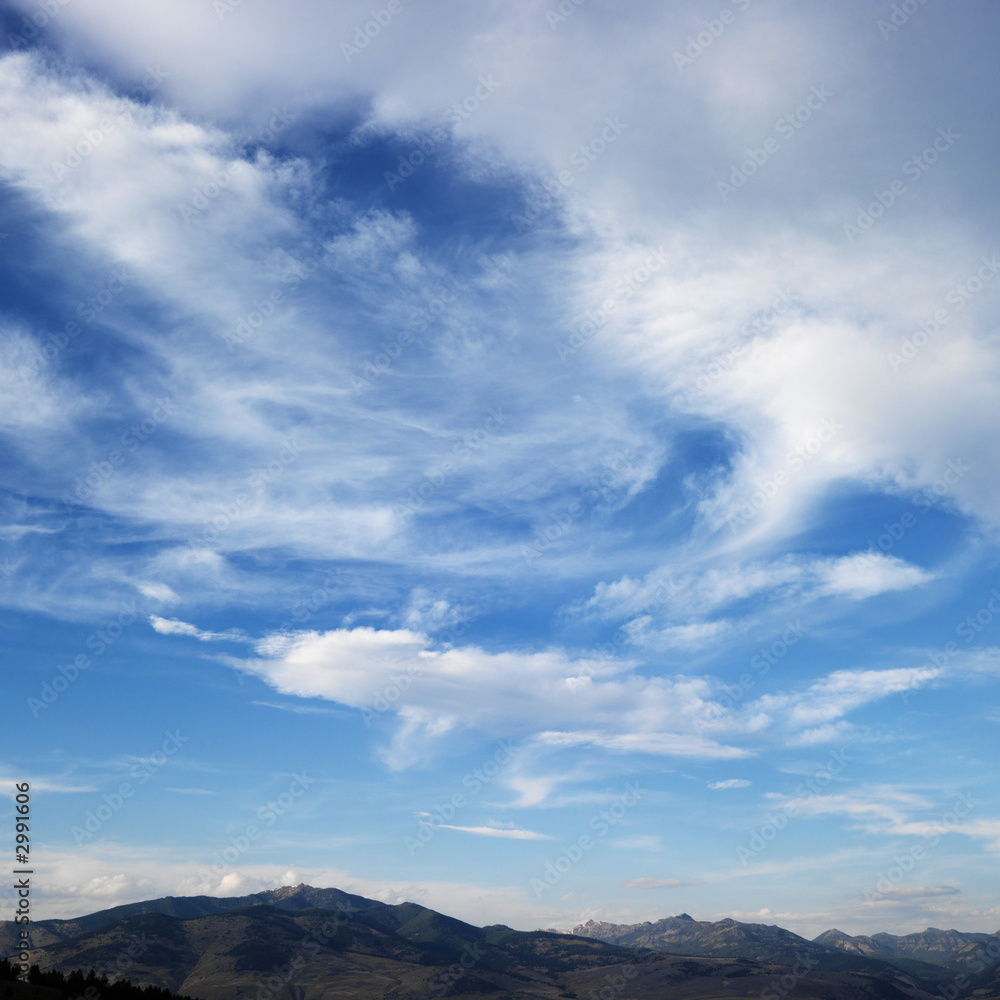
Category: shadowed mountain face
<point>315,944</point>
<point>952,949</point>
<point>407,952</point>
<point>298,897</point>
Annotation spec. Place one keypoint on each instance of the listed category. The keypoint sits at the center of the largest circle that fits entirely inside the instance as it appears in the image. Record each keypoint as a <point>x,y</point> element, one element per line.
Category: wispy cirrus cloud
<point>172,626</point>
<point>659,883</point>
<point>510,832</point>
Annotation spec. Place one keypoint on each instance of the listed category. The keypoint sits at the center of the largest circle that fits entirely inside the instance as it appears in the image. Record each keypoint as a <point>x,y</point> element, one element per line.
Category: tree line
<point>78,985</point>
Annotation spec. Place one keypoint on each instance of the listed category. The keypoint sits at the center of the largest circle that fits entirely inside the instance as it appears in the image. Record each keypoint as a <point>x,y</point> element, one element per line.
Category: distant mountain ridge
<point>282,947</point>
<point>953,949</point>
<point>318,943</point>
<point>932,955</point>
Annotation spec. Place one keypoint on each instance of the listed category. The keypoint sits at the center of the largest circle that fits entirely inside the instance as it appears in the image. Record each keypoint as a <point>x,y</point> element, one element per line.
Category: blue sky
<point>437,435</point>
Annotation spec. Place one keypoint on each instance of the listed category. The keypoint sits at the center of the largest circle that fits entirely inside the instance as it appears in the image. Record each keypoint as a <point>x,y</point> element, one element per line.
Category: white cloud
<point>684,745</point>
<point>804,407</point>
<point>909,892</point>
<point>47,785</point>
<point>426,613</point>
<point>504,832</point>
<point>115,888</point>
<point>92,879</point>
<point>987,829</point>
<point>435,692</point>
<point>878,812</point>
<point>172,626</point>
<point>833,696</point>
<point>718,786</point>
<point>666,594</point>
<point>158,592</point>
<point>659,883</point>
<point>639,842</point>
<point>868,573</point>
<point>299,709</point>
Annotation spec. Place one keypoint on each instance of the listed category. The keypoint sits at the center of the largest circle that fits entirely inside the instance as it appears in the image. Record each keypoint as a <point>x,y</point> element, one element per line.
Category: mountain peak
<point>684,916</point>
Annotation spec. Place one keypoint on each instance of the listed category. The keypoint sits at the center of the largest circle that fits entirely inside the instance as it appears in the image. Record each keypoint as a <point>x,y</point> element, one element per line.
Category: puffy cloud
<point>433,692</point>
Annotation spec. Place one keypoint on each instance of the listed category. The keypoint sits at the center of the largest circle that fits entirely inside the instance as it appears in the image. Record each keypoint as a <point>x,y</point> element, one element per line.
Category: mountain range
<point>932,955</point>
<point>303,943</point>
